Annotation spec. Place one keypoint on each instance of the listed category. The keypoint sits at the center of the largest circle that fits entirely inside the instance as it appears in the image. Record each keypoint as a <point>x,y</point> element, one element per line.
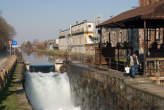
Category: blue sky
<point>42,19</point>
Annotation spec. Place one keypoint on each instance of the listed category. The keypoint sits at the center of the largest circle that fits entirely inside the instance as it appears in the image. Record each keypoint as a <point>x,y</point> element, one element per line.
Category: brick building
<point>147,2</point>
<point>135,37</point>
<point>155,35</point>
<point>143,30</point>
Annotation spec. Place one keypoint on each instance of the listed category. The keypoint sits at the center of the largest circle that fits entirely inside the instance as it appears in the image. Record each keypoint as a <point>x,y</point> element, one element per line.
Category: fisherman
<point>134,64</point>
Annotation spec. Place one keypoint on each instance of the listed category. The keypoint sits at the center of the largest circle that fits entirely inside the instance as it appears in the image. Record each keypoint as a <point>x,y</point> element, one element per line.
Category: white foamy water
<point>49,91</point>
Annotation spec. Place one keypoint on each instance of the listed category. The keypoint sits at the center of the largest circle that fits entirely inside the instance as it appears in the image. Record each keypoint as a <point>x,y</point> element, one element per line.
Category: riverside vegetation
<point>83,58</point>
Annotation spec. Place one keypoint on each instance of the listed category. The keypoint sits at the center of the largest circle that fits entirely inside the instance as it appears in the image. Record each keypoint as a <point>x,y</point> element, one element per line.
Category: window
<point>89,26</point>
<point>149,34</point>
<point>91,38</point>
<point>121,36</point>
<point>157,38</point>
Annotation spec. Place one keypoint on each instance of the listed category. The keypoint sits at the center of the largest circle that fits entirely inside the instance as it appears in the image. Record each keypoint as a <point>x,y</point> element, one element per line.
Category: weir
<point>50,91</point>
<point>46,88</point>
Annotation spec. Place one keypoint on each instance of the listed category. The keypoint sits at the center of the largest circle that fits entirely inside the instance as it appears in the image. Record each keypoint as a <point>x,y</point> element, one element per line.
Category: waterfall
<point>49,91</point>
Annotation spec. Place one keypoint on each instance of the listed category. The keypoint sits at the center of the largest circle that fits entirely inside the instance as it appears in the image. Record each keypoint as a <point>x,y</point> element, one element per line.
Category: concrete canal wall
<point>107,89</point>
<point>6,66</point>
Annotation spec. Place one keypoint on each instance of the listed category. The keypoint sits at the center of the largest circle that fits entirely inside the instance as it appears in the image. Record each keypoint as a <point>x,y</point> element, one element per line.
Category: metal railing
<point>109,62</point>
<point>154,67</point>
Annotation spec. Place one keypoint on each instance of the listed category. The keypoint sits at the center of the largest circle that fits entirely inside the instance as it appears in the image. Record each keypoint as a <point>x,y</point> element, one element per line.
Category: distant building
<point>63,39</point>
<point>79,38</point>
<point>52,44</point>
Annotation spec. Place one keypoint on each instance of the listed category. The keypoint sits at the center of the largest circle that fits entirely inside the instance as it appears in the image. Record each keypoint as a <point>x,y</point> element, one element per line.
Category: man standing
<point>133,63</point>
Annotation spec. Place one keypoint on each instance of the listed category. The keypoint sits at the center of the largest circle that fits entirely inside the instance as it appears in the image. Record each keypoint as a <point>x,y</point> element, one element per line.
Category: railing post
<point>100,45</point>
<point>145,47</point>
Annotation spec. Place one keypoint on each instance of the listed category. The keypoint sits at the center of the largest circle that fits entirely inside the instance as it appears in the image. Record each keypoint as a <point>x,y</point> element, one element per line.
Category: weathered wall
<point>5,68</point>
<point>99,89</point>
<point>147,2</point>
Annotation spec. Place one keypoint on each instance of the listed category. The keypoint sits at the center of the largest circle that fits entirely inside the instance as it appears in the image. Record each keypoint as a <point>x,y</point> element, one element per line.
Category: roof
<point>152,12</point>
<point>85,21</point>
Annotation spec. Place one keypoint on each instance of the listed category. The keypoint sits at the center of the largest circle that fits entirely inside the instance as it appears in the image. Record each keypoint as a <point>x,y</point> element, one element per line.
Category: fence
<point>154,67</point>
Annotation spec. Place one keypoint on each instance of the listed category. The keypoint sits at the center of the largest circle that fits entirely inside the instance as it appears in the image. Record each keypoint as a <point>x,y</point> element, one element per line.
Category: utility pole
<point>69,42</point>
<point>10,46</point>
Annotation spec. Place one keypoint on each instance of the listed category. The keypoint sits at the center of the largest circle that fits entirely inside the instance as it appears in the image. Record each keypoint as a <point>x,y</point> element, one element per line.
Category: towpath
<point>13,96</point>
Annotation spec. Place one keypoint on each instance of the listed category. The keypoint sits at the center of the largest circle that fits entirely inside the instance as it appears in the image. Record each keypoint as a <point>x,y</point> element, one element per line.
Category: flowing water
<point>49,91</point>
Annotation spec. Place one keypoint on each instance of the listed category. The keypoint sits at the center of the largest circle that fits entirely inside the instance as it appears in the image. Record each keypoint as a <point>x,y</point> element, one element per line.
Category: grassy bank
<point>10,95</point>
<point>52,52</point>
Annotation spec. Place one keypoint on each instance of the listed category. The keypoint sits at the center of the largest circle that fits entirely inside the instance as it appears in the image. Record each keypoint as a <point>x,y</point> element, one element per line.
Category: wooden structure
<point>142,18</point>
<point>105,55</point>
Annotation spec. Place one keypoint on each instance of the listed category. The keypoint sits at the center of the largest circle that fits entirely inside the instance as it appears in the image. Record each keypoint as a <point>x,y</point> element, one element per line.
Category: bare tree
<point>6,33</point>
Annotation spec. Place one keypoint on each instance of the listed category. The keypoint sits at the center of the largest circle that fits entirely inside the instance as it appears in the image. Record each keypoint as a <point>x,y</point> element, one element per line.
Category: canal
<point>85,87</point>
<point>47,91</point>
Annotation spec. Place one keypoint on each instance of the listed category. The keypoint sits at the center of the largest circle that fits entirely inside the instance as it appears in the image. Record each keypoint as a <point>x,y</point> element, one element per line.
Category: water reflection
<point>36,59</point>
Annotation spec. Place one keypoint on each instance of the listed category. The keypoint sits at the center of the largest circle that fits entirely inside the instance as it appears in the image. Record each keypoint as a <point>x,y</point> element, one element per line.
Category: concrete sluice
<point>42,68</point>
<point>46,68</point>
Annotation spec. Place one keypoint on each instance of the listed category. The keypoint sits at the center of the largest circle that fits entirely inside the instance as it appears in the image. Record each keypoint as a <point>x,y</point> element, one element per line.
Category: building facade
<point>78,38</point>
<point>63,40</point>
<point>135,37</point>
<point>155,35</point>
<point>148,2</point>
<point>121,38</point>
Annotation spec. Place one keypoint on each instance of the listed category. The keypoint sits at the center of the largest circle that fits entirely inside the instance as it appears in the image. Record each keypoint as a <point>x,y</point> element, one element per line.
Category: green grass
<point>52,52</point>
<point>8,96</point>
<point>74,56</point>
<point>59,52</point>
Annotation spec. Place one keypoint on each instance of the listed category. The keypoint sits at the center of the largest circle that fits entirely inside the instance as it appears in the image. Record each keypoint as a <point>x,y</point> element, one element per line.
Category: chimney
<point>147,2</point>
<point>141,3</point>
<point>144,2</point>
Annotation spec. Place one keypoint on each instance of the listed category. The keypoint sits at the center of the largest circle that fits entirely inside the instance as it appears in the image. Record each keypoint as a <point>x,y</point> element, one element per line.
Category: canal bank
<point>13,96</point>
<point>106,89</point>
<point>6,67</point>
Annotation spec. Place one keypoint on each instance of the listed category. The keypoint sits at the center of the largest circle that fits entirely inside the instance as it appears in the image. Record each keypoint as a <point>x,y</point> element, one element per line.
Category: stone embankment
<point>107,89</point>
<point>6,66</point>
